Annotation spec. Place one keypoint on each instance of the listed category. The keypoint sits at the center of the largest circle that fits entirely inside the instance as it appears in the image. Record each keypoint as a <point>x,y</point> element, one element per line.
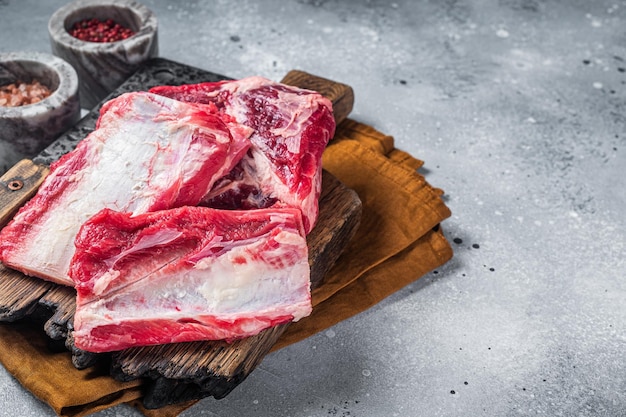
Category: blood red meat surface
<point>192,273</point>
<point>291,126</point>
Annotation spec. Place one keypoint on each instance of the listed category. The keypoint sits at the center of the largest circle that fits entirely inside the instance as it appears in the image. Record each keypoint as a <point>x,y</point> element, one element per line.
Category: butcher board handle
<point>18,185</point>
<point>341,95</point>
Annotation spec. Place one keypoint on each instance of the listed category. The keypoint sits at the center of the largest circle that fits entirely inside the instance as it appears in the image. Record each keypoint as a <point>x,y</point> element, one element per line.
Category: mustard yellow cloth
<point>398,241</point>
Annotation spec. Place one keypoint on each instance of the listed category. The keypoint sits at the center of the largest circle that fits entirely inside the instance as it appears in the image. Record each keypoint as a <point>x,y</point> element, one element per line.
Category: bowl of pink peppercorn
<point>106,41</point>
<point>38,101</point>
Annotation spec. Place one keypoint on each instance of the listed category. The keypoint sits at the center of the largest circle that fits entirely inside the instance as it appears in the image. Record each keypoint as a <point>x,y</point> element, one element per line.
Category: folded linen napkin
<point>398,241</point>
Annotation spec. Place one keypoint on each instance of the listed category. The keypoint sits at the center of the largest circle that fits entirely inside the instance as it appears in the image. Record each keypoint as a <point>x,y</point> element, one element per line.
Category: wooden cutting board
<point>183,371</point>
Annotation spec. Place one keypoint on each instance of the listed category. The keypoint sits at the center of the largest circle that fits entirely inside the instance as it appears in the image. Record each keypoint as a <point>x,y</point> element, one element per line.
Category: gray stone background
<point>518,108</point>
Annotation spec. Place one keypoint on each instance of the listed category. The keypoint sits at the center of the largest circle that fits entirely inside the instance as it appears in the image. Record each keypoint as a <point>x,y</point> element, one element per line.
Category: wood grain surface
<point>18,185</point>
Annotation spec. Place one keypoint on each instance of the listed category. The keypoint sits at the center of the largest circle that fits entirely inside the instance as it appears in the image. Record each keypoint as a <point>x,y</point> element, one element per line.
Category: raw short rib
<point>291,126</point>
<point>186,274</point>
<point>148,152</point>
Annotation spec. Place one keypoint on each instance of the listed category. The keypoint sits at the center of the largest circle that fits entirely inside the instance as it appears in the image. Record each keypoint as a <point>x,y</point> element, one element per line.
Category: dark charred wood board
<point>184,371</point>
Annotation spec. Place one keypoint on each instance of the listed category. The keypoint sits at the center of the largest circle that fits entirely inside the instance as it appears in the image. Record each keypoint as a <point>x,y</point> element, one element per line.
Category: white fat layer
<point>105,279</point>
<point>300,111</point>
<point>248,285</point>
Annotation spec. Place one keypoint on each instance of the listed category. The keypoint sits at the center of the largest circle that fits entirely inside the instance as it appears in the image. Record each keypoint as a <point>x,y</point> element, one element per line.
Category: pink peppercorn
<point>96,30</point>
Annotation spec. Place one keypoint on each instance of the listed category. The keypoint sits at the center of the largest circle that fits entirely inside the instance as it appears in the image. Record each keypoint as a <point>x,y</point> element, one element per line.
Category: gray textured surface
<point>518,108</point>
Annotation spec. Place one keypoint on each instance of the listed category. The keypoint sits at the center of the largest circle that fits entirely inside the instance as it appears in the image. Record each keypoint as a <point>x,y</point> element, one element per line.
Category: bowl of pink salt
<point>39,100</point>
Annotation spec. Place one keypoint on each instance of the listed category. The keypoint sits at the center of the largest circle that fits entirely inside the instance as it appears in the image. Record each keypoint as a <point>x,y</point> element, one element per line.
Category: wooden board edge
<point>18,185</point>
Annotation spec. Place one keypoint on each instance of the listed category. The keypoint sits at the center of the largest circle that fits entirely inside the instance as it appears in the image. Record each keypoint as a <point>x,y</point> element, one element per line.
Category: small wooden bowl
<point>102,67</point>
<point>26,130</point>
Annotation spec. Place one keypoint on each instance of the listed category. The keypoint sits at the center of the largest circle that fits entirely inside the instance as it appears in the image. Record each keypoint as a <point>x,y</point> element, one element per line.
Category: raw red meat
<point>147,153</point>
<point>291,126</point>
<point>192,273</point>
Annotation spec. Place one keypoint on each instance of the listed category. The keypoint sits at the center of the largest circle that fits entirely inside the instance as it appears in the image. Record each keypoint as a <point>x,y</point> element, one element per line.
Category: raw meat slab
<point>187,274</point>
<point>292,127</point>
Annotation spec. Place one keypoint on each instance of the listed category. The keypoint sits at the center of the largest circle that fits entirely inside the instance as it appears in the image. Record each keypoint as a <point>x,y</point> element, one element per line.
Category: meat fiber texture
<point>192,273</point>
<point>291,128</point>
<point>148,152</point>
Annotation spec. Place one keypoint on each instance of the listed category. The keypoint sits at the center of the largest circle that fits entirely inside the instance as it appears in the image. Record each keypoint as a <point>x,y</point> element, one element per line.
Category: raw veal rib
<point>291,126</point>
<point>148,152</point>
<point>192,273</point>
